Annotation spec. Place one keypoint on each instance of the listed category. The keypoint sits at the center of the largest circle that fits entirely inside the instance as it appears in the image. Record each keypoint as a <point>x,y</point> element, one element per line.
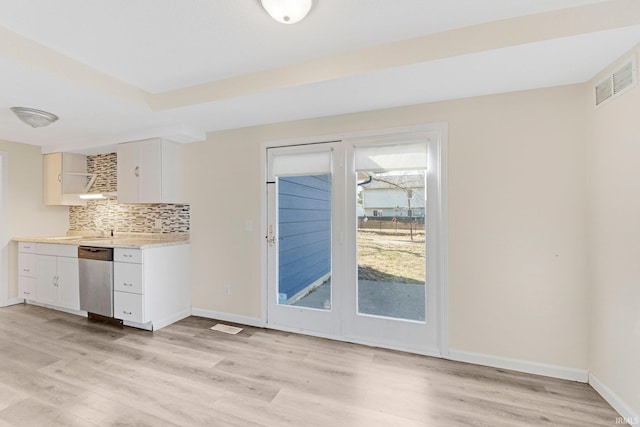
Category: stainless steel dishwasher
<point>96,280</point>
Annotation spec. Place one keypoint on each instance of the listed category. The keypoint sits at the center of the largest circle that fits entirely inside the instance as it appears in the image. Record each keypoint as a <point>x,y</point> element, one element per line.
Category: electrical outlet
<point>157,227</point>
<point>227,289</point>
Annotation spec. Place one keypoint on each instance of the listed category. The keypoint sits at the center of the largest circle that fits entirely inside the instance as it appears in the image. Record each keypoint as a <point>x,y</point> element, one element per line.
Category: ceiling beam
<point>474,39</point>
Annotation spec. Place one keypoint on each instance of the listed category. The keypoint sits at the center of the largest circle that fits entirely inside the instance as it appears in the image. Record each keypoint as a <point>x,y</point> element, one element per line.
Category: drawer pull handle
<point>127,255</point>
<point>128,313</point>
<point>128,284</point>
<point>26,269</point>
<point>27,293</point>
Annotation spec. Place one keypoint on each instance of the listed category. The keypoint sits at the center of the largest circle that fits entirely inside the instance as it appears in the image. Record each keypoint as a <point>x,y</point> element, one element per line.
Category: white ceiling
<point>157,50</point>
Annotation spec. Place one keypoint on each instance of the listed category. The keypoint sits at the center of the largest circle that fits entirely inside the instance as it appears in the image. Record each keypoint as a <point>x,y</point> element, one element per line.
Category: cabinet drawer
<point>56,249</point>
<point>26,264</point>
<point>27,247</point>
<point>27,287</point>
<point>127,277</point>
<point>127,255</point>
<point>128,306</point>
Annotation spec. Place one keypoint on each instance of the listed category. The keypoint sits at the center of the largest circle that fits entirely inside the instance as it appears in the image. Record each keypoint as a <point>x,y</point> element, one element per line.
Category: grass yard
<point>388,256</point>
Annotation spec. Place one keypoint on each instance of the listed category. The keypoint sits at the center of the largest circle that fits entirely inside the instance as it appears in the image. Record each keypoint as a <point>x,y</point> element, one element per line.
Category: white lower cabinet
<point>27,270</point>
<point>129,307</point>
<point>68,283</point>
<point>48,274</point>
<point>27,287</point>
<point>152,287</point>
<point>46,279</point>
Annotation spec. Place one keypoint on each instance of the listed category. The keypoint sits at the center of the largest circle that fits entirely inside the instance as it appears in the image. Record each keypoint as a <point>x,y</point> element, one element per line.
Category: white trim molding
<point>12,301</point>
<point>628,415</point>
<point>228,317</point>
<point>554,371</point>
<point>5,241</point>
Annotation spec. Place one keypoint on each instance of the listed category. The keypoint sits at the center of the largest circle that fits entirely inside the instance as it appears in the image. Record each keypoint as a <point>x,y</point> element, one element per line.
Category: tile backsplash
<point>108,214</point>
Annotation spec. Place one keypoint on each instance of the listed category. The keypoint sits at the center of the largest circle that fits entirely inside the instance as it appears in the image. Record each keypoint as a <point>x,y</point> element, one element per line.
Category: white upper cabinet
<point>150,171</point>
<point>65,176</point>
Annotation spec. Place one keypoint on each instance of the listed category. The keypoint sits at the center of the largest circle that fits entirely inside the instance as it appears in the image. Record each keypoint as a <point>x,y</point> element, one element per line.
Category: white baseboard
<point>228,317</point>
<point>554,371</point>
<point>171,319</point>
<point>13,301</point>
<point>54,307</point>
<point>630,416</point>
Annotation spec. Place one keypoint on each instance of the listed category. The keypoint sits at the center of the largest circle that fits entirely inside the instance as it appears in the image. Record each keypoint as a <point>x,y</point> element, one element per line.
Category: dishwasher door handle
<point>95,253</point>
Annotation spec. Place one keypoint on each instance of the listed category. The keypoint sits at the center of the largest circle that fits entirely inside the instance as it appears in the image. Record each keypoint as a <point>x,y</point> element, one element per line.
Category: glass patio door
<point>353,241</point>
<point>393,185</point>
<point>303,253</point>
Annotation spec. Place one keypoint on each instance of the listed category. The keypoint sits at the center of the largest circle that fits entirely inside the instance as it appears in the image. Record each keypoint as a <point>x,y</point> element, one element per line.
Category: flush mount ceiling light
<point>34,118</point>
<point>287,11</point>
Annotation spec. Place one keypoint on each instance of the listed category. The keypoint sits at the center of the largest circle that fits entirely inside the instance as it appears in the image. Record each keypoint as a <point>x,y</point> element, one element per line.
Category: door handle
<point>271,238</point>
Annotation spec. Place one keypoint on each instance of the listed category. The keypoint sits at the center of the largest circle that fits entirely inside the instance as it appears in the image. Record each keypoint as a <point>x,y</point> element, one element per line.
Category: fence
<point>393,224</point>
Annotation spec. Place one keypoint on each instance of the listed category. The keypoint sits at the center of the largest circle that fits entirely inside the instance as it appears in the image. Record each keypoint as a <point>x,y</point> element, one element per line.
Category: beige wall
<point>614,246</point>
<point>517,242</point>
<point>27,216</point>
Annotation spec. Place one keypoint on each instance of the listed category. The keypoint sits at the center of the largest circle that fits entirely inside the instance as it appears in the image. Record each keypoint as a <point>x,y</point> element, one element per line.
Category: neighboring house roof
<point>395,181</point>
<point>390,191</point>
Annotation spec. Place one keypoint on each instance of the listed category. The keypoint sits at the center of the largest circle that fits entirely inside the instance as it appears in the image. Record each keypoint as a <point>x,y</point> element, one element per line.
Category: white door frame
<point>307,320</point>
<point>442,220</point>
<point>4,232</point>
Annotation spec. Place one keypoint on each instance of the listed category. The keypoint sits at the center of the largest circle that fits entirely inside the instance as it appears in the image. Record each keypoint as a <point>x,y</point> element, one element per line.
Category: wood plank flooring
<point>58,369</point>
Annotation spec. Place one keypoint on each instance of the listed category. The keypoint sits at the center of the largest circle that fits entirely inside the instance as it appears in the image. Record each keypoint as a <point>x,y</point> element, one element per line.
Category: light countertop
<point>135,241</point>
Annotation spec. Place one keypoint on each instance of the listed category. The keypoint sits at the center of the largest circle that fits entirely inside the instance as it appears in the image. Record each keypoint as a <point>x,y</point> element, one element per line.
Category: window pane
<point>391,208</point>
<point>304,241</point>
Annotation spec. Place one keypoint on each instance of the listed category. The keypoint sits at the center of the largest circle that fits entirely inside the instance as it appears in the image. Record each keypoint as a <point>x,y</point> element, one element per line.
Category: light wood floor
<point>58,369</point>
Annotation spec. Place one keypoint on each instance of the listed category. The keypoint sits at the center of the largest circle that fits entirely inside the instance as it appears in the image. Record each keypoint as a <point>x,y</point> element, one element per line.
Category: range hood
<point>87,195</point>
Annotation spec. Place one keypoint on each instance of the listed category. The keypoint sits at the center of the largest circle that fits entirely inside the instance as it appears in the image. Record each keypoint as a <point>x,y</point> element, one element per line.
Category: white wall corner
<point>554,371</point>
<point>630,416</point>
<point>228,317</point>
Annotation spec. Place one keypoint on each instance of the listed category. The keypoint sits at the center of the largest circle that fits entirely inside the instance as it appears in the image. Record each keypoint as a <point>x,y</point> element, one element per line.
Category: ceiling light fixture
<point>287,11</point>
<point>34,118</point>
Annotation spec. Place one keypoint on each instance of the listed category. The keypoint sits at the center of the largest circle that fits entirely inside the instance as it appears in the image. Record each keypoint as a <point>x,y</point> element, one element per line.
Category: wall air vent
<point>618,82</point>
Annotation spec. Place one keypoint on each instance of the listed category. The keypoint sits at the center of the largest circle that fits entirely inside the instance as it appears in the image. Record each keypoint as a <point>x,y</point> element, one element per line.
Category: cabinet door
<point>26,264</point>
<point>150,172</point>
<point>127,277</point>
<point>52,176</point>
<point>68,283</point>
<point>128,306</point>
<point>172,173</point>
<point>46,280</point>
<point>128,170</point>
<point>27,287</point>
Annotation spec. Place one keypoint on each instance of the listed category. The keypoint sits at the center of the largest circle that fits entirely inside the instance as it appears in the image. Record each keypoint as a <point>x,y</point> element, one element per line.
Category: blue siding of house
<point>304,225</point>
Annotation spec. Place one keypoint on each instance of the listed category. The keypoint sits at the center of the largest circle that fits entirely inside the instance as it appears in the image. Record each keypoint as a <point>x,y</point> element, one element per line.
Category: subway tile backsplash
<point>108,214</point>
